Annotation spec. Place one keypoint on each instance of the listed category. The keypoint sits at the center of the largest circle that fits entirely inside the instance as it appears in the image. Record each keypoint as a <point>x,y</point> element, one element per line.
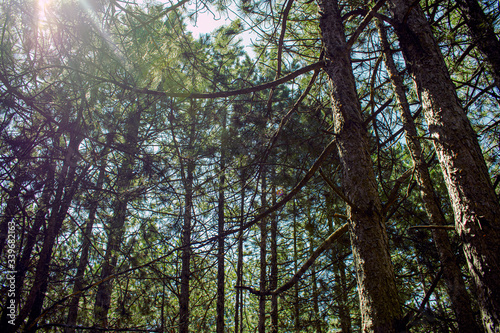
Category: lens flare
<point>43,8</point>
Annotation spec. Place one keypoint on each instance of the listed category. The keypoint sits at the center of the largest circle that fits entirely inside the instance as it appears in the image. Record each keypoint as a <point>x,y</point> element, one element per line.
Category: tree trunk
<point>474,202</point>
<point>86,242</point>
<point>273,281</point>
<point>310,231</point>
<point>338,251</point>
<point>23,264</point>
<point>188,180</point>
<point>296,307</point>
<point>11,208</point>
<point>483,34</point>
<point>116,227</point>
<point>220,251</point>
<point>460,301</point>
<point>263,253</point>
<point>67,185</point>
<point>379,305</point>
<point>238,315</point>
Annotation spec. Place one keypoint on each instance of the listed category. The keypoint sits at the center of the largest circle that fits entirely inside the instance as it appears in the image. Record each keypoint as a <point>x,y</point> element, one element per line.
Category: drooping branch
<point>322,248</point>
<point>218,94</point>
<point>310,173</point>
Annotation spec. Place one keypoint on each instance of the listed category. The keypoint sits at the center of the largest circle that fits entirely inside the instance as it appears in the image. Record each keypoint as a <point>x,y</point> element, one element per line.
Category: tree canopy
<point>342,176</point>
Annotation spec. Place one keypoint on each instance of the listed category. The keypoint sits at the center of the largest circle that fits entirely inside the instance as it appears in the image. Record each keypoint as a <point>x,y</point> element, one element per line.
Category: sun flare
<point>43,7</point>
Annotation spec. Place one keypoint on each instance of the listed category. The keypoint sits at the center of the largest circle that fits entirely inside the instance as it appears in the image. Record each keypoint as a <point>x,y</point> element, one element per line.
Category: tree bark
<point>86,242</point>
<point>483,34</point>
<point>220,250</point>
<point>474,202</point>
<point>22,265</point>
<point>116,227</point>
<point>186,253</point>
<point>67,185</point>
<point>379,305</point>
<point>296,305</point>
<point>238,315</point>
<point>11,208</point>
<point>338,251</point>
<point>263,254</point>
<point>273,281</point>
<point>460,300</point>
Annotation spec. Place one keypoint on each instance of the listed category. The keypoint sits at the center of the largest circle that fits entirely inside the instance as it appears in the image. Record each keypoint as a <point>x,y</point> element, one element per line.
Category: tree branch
<point>219,94</point>
<point>324,246</point>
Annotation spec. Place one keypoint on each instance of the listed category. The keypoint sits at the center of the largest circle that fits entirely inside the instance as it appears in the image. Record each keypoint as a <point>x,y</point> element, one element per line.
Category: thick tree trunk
<point>483,34</point>
<point>379,305</point>
<point>474,202</point>
<point>460,301</point>
<point>116,227</point>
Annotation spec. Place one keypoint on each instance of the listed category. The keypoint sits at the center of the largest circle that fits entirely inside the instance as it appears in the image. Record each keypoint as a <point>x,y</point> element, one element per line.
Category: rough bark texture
<point>483,34</point>
<point>474,202</point>
<point>380,310</point>
<point>460,301</point>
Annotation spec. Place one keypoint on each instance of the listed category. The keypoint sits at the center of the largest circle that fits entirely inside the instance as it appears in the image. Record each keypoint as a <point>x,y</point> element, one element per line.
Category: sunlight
<point>43,7</point>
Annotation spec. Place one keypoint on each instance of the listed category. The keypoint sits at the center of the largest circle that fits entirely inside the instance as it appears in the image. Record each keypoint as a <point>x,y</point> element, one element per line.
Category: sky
<point>207,22</point>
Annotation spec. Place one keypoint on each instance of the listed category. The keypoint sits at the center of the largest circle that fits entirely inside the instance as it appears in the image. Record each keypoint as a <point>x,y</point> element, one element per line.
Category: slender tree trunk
<point>86,242</point>
<point>23,264</point>
<point>379,305</point>
<point>186,251</point>
<point>296,307</point>
<point>460,301</point>
<point>483,34</point>
<point>316,317</point>
<point>342,294</point>
<point>188,180</point>
<point>474,202</point>
<point>116,227</point>
<point>273,282</point>
<point>220,251</point>
<point>238,315</point>
<point>11,208</point>
<point>263,254</point>
<point>339,268</point>
<point>66,189</point>
<point>310,231</point>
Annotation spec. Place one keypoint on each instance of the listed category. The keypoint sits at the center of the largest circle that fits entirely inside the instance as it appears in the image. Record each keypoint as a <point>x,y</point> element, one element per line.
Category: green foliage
<point>89,74</point>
